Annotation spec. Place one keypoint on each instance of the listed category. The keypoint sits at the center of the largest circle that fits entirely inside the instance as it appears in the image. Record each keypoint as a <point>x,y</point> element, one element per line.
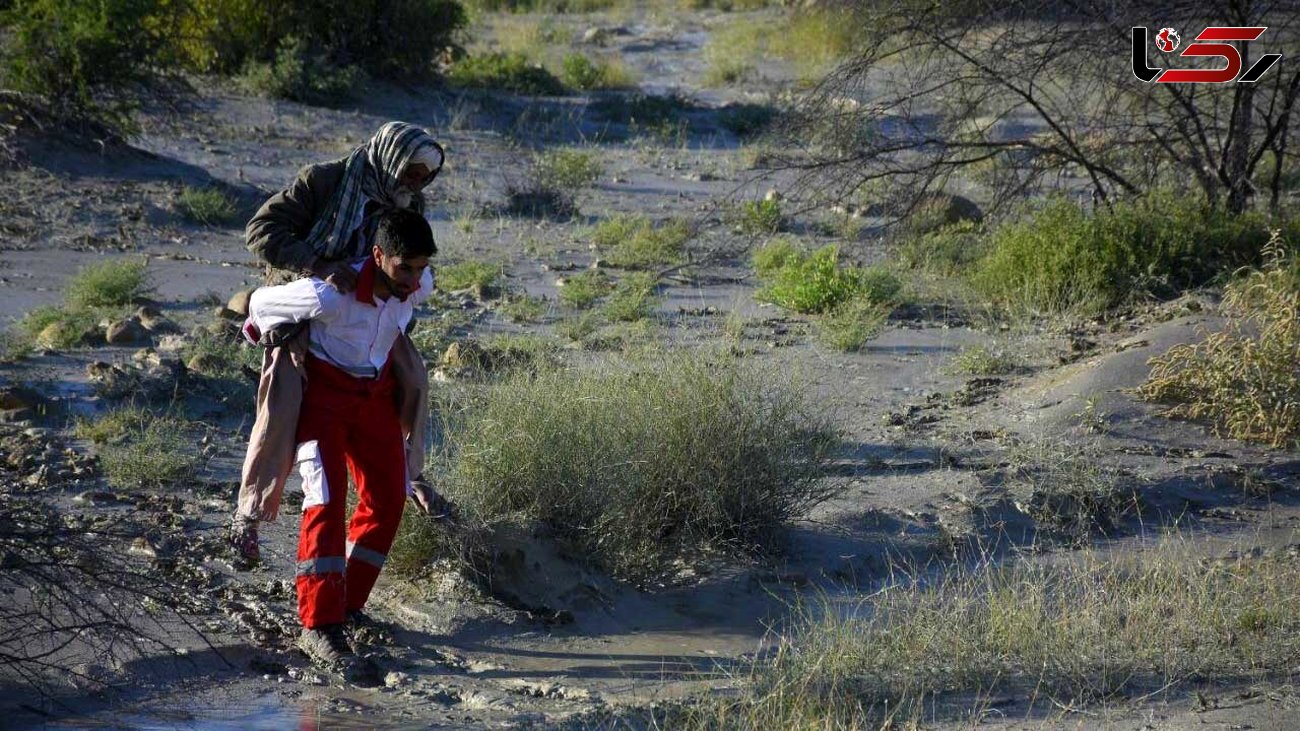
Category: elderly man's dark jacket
<point>277,232</point>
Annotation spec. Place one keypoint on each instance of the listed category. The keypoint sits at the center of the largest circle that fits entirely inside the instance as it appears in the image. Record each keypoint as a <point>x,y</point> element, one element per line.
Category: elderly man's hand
<point>429,502</point>
<point>339,274</point>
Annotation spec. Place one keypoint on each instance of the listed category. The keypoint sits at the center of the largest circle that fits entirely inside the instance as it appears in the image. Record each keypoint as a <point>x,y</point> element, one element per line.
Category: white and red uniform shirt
<point>352,332</point>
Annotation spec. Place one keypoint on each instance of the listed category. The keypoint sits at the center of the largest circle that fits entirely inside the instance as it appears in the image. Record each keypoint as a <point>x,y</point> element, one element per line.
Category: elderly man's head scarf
<point>372,174</point>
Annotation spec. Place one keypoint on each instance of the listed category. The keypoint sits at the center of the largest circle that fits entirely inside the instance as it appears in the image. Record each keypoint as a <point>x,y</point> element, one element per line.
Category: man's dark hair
<point>404,234</point>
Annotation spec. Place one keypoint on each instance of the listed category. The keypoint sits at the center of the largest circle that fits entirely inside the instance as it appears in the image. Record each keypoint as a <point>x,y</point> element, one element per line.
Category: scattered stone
<point>142,547</point>
<point>125,332</point>
<point>597,36</point>
<point>464,355</point>
<point>395,679</point>
<point>773,195</point>
<point>205,363</point>
<point>237,307</point>
<point>153,321</point>
<point>16,406</point>
<point>600,264</point>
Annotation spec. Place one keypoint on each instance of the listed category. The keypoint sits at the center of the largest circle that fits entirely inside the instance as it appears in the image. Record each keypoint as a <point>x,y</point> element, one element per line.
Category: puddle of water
<point>268,716</point>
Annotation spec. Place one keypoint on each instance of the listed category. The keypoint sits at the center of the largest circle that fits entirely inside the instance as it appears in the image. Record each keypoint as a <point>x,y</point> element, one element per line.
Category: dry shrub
<point>1060,634</point>
<point>1243,380</point>
<point>637,461</point>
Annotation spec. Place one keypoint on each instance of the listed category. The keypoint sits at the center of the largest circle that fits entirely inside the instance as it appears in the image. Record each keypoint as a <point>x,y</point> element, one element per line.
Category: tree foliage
<point>1022,95</point>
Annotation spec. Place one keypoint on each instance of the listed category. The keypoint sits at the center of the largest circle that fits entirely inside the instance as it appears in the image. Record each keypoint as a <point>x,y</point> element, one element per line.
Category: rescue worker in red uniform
<point>349,423</point>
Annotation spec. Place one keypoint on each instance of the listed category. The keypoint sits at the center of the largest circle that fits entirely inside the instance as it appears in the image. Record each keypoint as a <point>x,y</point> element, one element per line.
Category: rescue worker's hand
<point>339,274</point>
<point>428,501</point>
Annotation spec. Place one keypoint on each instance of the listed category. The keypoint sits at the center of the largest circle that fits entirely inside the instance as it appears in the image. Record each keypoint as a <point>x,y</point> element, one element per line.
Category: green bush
<point>209,206</point>
<point>816,283</point>
<point>386,38</point>
<point>638,461</point>
<point>299,74</point>
<point>1062,258</point>
<point>584,74</point>
<point>543,6</point>
<point>949,251</point>
<point>980,360</point>
<point>522,308</point>
<point>81,55</point>
<point>139,449</point>
<point>754,218</point>
<point>772,256</point>
<point>567,170</point>
<point>112,283</point>
<point>632,241</point>
<point>849,326</point>
<point>632,299</point>
<point>508,71</point>
<point>583,290</point>
<point>479,276</point>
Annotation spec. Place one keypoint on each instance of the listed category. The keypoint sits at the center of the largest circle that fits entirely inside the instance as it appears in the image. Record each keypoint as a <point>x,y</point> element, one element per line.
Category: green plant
<point>567,170</point>
<point>583,290</point>
<point>522,308</point>
<point>140,449</point>
<point>579,327</point>
<point>949,251</point>
<point>298,73</point>
<point>116,282</point>
<point>218,365</point>
<point>1066,490</point>
<point>981,360</point>
<point>477,276</point>
<point>56,328</point>
<point>1063,259</point>
<point>849,326</point>
<point>731,53</point>
<point>772,256</point>
<point>509,71</point>
<point>555,179</point>
<point>815,283</point>
<point>208,206</point>
<point>82,56</point>
<point>638,461</point>
<point>632,299</point>
<point>632,241</point>
<point>386,38</point>
<point>815,39</point>
<point>754,218</point>
<point>1242,379</point>
<point>580,72</point>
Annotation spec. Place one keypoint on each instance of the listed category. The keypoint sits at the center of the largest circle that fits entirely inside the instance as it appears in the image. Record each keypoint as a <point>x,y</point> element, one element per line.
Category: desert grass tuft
<point>583,290</point>
<point>1243,380</point>
<point>639,460</point>
<point>140,449</point>
<point>507,71</point>
<point>852,323</point>
<point>632,241</point>
<point>981,360</point>
<point>555,179</point>
<point>633,298</point>
<point>208,206</point>
<point>477,276</point>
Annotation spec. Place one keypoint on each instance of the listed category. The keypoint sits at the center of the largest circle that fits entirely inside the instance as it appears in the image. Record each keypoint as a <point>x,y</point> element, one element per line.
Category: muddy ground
<point>921,478</point>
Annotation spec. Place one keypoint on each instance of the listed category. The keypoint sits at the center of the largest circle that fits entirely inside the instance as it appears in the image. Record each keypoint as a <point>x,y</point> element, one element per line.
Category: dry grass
<point>1060,635</point>
<point>1242,380</point>
<point>638,459</point>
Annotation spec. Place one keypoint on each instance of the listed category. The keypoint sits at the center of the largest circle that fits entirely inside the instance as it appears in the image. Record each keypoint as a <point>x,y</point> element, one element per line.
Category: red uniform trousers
<point>347,424</point>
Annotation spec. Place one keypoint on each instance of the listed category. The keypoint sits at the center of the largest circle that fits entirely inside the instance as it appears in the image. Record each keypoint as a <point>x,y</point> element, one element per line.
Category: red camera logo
<point>1210,42</point>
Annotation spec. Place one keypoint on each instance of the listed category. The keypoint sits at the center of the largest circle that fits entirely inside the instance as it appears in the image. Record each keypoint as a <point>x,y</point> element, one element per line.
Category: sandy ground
<point>919,475</point>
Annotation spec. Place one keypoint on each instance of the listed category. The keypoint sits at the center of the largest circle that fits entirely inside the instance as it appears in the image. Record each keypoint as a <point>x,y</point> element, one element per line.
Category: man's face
<point>402,274</point>
<point>414,177</point>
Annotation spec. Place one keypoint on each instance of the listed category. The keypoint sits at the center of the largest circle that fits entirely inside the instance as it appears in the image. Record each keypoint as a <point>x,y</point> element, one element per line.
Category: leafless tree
<point>1017,96</point>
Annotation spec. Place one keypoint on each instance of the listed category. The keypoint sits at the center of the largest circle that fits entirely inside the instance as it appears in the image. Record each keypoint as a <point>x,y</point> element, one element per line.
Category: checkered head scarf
<point>372,174</point>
